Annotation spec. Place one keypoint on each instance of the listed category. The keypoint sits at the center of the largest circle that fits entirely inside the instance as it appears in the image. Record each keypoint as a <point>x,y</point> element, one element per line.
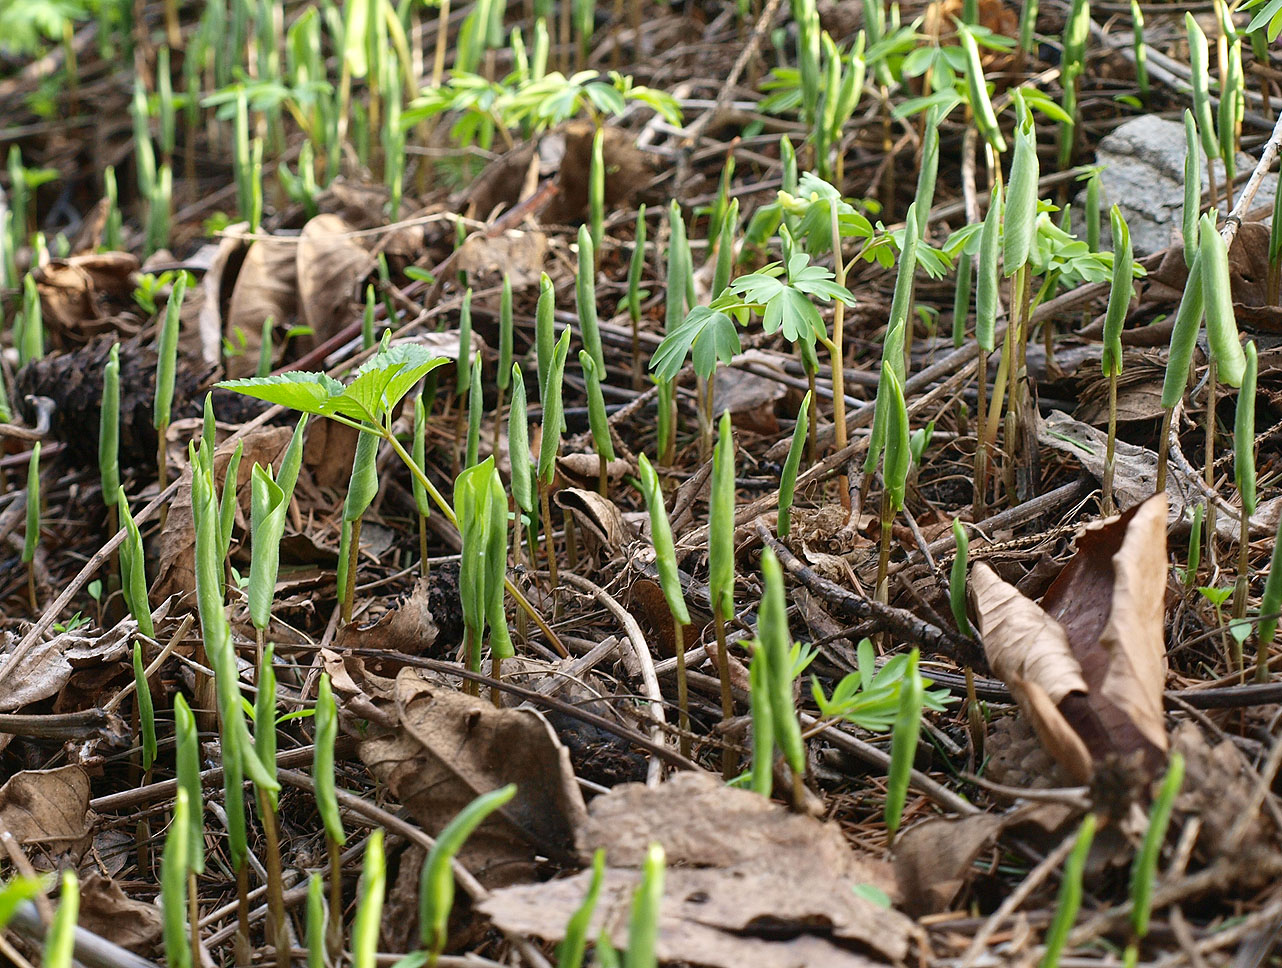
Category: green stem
<point>727,699</point>
<point>353,555</point>
<point>334,928</point>
<point>1106,501</point>
<point>278,930</point>
<point>683,694</point>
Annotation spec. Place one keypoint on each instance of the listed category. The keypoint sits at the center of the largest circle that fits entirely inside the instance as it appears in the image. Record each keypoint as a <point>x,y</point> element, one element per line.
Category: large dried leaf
<point>1089,664</point>
<point>267,285</point>
<point>330,263</point>
<point>46,806</point>
<point>50,664</point>
<point>450,748</point>
<point>521,256</point>
<point>748,882</point>
<point>108,913</point>
<point>407,627</point>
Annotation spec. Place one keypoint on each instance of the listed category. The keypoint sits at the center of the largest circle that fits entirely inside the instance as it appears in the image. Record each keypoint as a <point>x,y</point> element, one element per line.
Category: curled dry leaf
<point>50,664</point>
<point>267,285</point>
<point>520,256</point>
<point>108,913</point>
<point>599,518</point>
<point>330,264</point>
<point>748,882</point>
<point>46,806</point>
<point>449,748</point>
<point>1088,665</point>
<point>408,627</point>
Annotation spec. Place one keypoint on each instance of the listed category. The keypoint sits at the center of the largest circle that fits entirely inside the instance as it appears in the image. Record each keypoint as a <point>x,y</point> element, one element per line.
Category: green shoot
<point>1144,868</point>
<point>327,806</point>
<point>1244,474</point>
<point>775,639</point>
<point>721,577</point>
<point>597,420</point>
<point>146,710</point>
<point>315,933</point>
<point>503,377</point>
<point>791,464</point>
<point>903,744</point>
<point>436,884</point>
<point>596,197</point>
<point>418,452</point>
<point>1070,893</point>
<point>643,925</point>
<point>481,505</point>
<point>550,444</point>
<point>572,948</point>
<point>166,369</point>
<point>269,505</point>
<point>31,538</point>
<point>369,912</point>
<point>173,885</point>
<point>1119,300</point>
<point>31,346</point>
<point>636,265</point>
<point>957,578</point>
<point>1200,78</point>
<point>361,490</point>
<point>670,580</point>
<point>475,410</point>
<point>763,736</point>
<point>61,941</point>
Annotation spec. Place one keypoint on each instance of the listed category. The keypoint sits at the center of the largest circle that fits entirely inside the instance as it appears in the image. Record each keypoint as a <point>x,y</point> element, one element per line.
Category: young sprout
<point>635,294</point>
<point>109,432</point>
<point>1070,893</point>
<point>518,449</point>
<point>266,351</point>
<point>676,302</point>
<point>418,451</point>
<point>361,489</point>
<point>113,231</point>
<point>1119,300</point>
<point>173,885</point>
<point>1221,323</point>
<point>1140,50</point>
<point>146,710</point>
<point>269,505</point>
<point>31,539</point>
<point>1200,78</point>
<point>369,912</point>
<point>503,377</point>
<point>572,948</point>
<point>545,332</point>
<point>436,883</point>
<point>462,371</point>
<point>1144,868</point>
<point>1188,320</point>
<point>159,204</point>
<point>895,463</point>
<point>481,505</point>
<point>903,743</point>
<point>315,932</point>
<point>643,924</point>
<point>367,319</point>
<point>550,444</point>
<point>1232,106</point>
<point>721,578</point>
<point>1093,208</point>
<point>791,464</point>
<point>1192,188</point>
<point>1195,548</point>
<point>133,577</point>
<point>977,91</point>
<point>763,728</point>
<point>987,306</point>
<point>187,763</point>
<point>775,639</point>
<point>265,751</point>
<point>32,344</point>
<point>1076,34</point>
<point>957,577</point>
<point>327,806</point>
<point>597,420</point>
<point>665,430</point>
<point>596,195</point>
<point>166,368</point>
<point>1244,476</point>
<point>665,559</point>
<point>475,410</point>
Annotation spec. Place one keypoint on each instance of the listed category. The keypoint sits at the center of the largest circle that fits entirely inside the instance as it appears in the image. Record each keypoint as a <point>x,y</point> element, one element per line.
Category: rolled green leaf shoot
<point>791,464</point>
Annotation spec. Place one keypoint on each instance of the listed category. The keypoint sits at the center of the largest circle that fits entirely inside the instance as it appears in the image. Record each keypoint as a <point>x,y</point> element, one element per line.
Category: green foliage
<point>146,710</point>
<point>436,884</point>
<point>31,538</point>
<point>173,884</point>
<point>187,762</point>
<point>571,950</point>
<point>643,924</point>
<point>369,912</point>
<point>791,464</point>
<point>27,26</point>
<point>1070,893</point>
<point>109,428</point>
<point>721,508</point>
<point>323,763</point>
<point>481,505</point>
<point>661,537</point>
<point>375,390</point>
<point>870,697</point>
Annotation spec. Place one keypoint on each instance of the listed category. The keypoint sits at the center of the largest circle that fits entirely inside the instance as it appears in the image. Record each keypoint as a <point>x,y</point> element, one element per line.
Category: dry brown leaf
<point>451,747</point>
<point>50,664</point>
<point>584,469</point>
<point>407,627</point>
<point>935,859</point>
<point>750,398</point>
<point>1088,665</point>
<point>748,881</point>
<point>521,256</point>
<point>267,285</point>
<point>330,264</point>
<point>108,913</point>
<point>599,518</point>
<point>46,806</point>
<point>74,292</point>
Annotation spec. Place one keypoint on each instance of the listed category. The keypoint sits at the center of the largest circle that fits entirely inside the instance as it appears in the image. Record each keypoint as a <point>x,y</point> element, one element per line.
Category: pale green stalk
<point>791,464</point>
<point>109,428</point>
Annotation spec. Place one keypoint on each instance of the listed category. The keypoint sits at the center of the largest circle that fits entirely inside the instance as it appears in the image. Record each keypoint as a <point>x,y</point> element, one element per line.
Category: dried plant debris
<point>1088,665</point>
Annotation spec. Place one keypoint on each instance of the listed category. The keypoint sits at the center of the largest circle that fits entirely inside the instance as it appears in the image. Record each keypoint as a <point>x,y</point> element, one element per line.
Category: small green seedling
<point>1070,893</point>
<point>643,925</point>
<point>269,504</point>
<point>957,577</point>
<point>721,577</point>
<point>187,763</point>
<point>791,464</point>
<point>173,885</point>
<point>436,884</point>
<point>1144,868</point>
<point>573,946</point>
<point>665,559</point>
<point>903,743</point>
<point>481,505</point>
<point>109,431</point>
<point>1119,300</point>
<point>1244,473</point>
<point>362,488</point>
<point>422,504</point>
<point>133,577</point>
<point>327,806</point>
<point>166,369</point>
<point>636,265</point>
<point>775,639</point>
<point>369,912</point>
<point>146,710</point>
<point>597,420</point>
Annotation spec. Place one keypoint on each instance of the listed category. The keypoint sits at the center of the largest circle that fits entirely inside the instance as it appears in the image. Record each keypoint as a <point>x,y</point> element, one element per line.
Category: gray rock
<point>1143,173</point>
